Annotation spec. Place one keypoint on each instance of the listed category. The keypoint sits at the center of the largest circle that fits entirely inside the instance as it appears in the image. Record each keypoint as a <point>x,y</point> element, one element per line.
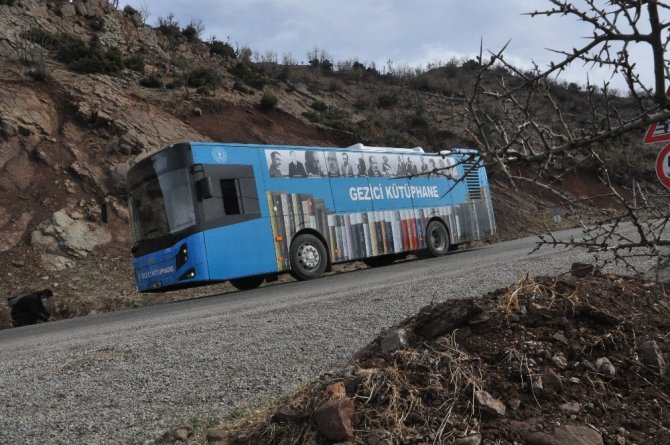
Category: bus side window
<point>249,197</point>
<point>231,197</point>
<point>239,197</point>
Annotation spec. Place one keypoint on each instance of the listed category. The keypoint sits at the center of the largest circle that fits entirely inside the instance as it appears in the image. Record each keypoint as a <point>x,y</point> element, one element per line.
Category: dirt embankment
<point>550,360</point>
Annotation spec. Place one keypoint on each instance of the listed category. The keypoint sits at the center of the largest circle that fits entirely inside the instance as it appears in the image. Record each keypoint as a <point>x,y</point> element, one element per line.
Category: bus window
<point>231,197</point>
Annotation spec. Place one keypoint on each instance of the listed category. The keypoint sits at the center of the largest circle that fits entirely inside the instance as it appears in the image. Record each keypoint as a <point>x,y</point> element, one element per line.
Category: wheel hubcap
<point>309,256</point>
<point>437,240</point>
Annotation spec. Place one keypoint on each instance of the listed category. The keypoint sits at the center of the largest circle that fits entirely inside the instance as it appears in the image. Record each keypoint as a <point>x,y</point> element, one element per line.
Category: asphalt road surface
<point>127,377</point>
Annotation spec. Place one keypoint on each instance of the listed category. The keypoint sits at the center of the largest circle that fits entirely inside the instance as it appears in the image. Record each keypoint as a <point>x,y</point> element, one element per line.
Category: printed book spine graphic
<point>378,228</point>
<point>332,237</point>
<point>388,216</point>
<point>396,232</point>
<point>384,244</point>
<point>296,212</point>
<point>349,235</point>
<point>373,233</point>
<point>282,259</point>
<point>275,230</point>
<point>366,233</point>
<point>339,237</point>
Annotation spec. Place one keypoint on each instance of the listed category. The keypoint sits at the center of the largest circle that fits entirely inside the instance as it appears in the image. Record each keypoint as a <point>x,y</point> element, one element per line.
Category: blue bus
<point>210,212</point>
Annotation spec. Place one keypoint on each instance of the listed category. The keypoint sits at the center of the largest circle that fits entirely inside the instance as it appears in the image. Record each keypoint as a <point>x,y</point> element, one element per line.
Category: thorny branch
<point>524,117</point>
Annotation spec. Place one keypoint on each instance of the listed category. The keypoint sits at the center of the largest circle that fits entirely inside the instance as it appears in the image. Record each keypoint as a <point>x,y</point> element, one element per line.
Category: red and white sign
<point>663,166</point>
<point>658,131</point>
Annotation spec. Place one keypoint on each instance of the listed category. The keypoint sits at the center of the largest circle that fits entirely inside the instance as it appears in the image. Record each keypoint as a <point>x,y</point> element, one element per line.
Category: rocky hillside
<point>86,89</point>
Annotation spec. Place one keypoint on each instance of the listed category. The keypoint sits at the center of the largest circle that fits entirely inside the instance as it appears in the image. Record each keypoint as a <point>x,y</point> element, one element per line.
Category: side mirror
<point>205,188</point>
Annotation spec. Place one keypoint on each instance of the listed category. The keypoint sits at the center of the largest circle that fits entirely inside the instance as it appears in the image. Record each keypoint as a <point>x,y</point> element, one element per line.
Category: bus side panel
<point>240,250</point>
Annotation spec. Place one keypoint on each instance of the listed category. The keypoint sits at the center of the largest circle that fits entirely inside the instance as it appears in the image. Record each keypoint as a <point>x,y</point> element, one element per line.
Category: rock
<point>536,385</point>
<point>473,439</point>
<point>182,433</point>
<point>561,338</point>
<point>287,414</point>
<point>67,10</point>
<point>65,235</point>
<point>605,367</point>
<point>588,365</point>
<point>217,435</point>
<point>581,270</point>
<point>12,233</point>
<point>560,361</point>
<point>435,321</point>
<point>514,404</point>
<point>489,404</point>
<point>397,339</point>
<point>57,263</point>
<point>552,381</point>
<point>333,419</point>
<point>570,407</point>
<point>574,434</point>
<point>652,357</point>
<point>336,389</point>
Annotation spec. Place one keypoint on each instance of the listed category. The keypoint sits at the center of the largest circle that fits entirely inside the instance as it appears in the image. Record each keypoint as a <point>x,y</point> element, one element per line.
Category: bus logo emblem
<point>219,154</point>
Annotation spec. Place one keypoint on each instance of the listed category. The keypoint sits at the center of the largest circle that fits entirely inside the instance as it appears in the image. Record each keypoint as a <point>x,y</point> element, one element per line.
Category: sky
<point>405,32</point>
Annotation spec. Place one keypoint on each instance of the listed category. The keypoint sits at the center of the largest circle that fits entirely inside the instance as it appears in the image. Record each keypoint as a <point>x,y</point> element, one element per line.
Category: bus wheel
<point>437,239</point>
<point>379,261</point>
<point>247,283</point>
<point>308,257</point>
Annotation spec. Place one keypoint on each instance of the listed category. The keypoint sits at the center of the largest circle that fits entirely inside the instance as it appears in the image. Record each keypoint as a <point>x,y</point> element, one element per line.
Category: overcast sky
<point>407,32</point>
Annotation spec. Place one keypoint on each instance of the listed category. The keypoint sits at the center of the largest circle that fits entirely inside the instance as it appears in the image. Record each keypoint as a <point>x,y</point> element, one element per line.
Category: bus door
<point>238,239</point>
<point>351,226</point>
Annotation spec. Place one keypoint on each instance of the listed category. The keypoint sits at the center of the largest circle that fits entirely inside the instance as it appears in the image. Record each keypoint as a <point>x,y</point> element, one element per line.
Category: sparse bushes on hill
<point>387,100</point>
<point>202,76</point>
<point>319,105</point>
<point>153,80</point>
<point>134,62</point>
<point>7,2</point>
<point>193,30</point>
<point>169,26</point>
<point>129,11</point>
<point>249,75</point>
<point>80,56</point>
<point>268,102</point>
<point>222,49</point>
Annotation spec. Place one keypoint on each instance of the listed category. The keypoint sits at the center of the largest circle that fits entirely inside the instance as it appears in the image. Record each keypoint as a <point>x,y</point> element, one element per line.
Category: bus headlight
<point>188,275</point>
<point>182,256</point>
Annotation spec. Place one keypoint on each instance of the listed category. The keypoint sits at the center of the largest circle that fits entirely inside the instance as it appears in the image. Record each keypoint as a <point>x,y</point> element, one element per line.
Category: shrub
<point>202,76</point>
<point>153,80</point>
<point>319,105</point>
<point>268,102</point>
<point>205,90</point>
<point>135,63</point>
<point>239,86</point>
<point>7,2</point>
<point>222,49</point>
<point>169,26</point>
<point>387,100</point>
<point>98,60</point>
<point>250,76</point>
<point>129,11</point>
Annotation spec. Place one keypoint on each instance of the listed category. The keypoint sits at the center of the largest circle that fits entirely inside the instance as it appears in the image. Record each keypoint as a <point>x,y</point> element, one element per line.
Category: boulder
<point>563,435</point>
<point>62,234</point>
<point>333,419</point>
<point>395,340</point>
<point>652,357</point>
<point>489,404</point>
<point>605,367</point>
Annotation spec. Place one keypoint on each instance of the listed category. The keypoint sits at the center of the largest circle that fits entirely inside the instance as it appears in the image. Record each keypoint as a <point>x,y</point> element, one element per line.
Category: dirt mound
<point>550,360</point>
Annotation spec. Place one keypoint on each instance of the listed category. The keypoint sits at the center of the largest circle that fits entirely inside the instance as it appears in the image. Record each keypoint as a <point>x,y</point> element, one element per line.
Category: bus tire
<point>308,257</point>
<point>379,261</point>
<point>437,239</point>
<point>247,283</point>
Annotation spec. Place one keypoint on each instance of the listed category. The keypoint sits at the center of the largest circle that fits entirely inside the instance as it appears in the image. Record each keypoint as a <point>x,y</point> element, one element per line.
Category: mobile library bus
<point>210,212</point>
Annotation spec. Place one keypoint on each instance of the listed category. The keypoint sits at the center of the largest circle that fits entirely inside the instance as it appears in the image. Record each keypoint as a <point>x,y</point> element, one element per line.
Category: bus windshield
<point>161,204</point>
